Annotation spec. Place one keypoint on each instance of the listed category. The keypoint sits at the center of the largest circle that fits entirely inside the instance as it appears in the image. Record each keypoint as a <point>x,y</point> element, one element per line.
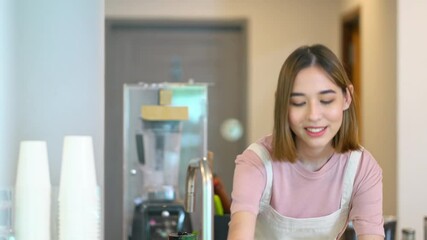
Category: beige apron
<point>271,225</point>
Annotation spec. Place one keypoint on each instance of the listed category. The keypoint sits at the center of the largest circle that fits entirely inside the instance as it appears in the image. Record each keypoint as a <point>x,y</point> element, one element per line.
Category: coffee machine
<point>165,126</point>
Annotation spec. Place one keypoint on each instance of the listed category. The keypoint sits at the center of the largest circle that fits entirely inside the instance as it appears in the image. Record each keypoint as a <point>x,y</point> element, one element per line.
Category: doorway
<point>351,57</point>
<point>173,51</point>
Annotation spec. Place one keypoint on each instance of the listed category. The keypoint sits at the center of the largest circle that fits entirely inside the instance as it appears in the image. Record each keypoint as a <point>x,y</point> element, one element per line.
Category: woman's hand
<point>242,226</point>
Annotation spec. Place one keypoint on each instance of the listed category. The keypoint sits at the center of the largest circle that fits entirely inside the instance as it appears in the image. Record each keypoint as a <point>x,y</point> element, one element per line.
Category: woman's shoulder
<point>250,156</point>
<point>366,158</point>
<point>267,142</point>
<point>369,160</point>
<point>368,169</point>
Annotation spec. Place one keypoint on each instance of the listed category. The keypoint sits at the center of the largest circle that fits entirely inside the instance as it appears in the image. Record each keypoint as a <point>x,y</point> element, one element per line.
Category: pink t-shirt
<point>300,193</point>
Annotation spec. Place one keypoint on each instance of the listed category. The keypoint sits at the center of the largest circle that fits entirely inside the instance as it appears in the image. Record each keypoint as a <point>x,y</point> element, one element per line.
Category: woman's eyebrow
<point>327,91</point>
<point>297,94</point>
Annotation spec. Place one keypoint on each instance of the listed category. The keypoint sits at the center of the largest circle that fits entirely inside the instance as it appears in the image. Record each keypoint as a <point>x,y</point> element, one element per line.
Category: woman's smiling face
<point>316,108</point>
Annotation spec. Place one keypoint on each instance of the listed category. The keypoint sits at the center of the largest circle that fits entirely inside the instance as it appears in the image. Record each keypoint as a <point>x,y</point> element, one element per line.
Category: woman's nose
<point>314,111</point>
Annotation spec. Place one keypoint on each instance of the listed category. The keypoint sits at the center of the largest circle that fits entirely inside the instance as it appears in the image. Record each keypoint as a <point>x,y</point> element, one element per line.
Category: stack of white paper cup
<point>32,199</point>
<point>79,202</point>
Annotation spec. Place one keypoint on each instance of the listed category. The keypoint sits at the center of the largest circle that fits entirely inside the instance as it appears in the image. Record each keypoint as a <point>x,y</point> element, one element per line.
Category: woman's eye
<point>326,102</point>
<point>297,104</point>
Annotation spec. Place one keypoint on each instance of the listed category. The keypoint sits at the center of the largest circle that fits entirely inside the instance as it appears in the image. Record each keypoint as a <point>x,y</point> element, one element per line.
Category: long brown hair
<point>284,147</point>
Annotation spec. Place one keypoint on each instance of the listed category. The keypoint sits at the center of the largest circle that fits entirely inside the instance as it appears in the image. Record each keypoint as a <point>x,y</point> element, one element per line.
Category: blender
<point>159,145</point>
<point>161,137</point>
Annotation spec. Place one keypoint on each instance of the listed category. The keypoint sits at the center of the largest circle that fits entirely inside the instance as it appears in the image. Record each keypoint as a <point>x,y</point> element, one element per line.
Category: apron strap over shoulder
<point>349,176</point>
<point>263,153</point>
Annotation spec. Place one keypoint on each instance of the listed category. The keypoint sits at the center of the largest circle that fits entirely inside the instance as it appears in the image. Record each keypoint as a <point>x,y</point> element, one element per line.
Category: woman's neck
<point>314,159</point>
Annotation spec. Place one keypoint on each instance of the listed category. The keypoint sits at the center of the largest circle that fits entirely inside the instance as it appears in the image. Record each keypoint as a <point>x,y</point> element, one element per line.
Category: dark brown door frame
<point>351,57</point>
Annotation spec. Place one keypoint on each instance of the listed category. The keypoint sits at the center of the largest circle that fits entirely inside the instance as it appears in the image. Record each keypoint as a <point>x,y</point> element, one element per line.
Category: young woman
<point>310,177</point>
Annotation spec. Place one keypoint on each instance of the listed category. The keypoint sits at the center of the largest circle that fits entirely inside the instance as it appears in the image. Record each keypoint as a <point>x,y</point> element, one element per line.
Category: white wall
<point>412,113</point>
<point>275,28</point>
<point>52,78</point>
<point>60,74</point>
<point>378,91</point>
<point>7,92</point>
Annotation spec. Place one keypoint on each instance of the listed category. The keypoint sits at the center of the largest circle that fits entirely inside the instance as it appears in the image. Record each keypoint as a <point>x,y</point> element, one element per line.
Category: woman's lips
<point>315,131</point>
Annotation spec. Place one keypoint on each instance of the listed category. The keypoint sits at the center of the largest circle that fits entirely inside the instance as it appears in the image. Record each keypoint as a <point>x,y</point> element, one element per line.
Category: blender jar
<point>162,145</point>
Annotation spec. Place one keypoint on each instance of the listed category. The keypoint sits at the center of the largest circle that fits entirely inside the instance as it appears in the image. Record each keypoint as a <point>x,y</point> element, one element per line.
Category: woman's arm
<point>370,237</point>
<point>366,212</point>
<point>242,226</point>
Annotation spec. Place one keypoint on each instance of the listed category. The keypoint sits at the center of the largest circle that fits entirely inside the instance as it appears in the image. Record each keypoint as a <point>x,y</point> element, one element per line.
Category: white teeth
<point>315,130</point>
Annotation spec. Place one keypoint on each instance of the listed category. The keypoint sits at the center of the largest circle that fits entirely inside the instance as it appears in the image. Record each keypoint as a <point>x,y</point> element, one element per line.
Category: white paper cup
<point>78,175</point>
<point>78,191</point>
<point>32,192</point>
